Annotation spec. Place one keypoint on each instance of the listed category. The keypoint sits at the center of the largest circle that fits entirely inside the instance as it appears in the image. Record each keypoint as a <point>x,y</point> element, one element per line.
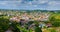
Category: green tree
<point>4,24</point>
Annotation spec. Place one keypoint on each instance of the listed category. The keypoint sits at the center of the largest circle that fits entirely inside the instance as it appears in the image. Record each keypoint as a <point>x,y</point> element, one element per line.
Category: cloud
<point>31,4</point>
<point>3,2</point>
<point>9,0</point>
<point>35,5</point>
<point>35,2</point>
<point>54,3</point>
<point>42,1</point>
<point>10,3</point>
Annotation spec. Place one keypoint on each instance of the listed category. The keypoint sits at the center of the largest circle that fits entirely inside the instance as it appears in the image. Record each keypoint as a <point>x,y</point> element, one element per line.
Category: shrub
<point>56,24</point>
<point>53,30</point>
<point>4,24</point>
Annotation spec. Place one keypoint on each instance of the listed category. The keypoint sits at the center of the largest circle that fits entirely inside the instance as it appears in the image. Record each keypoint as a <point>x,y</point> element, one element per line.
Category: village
<point>30,19</point>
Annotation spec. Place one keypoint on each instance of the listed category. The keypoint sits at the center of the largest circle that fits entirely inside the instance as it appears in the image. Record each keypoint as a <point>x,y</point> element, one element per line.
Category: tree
<point>55,19</point>
<point>4,24</point>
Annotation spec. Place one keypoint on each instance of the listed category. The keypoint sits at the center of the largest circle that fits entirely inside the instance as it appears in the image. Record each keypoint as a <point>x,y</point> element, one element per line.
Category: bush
<point>56,24</point>
<point>37,28</point>
<point>55,20</point>
<point>4,24</point>
<point>53,30</point>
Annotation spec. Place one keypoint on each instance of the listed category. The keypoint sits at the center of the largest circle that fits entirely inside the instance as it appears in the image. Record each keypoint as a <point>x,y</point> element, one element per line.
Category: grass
<point>52,29</point>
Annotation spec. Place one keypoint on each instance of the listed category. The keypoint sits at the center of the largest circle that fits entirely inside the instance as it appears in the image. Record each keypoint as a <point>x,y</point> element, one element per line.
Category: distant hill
<point>30,10</point>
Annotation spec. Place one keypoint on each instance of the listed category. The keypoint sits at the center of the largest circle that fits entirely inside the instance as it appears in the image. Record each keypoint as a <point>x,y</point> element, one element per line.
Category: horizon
<point>26,9</point>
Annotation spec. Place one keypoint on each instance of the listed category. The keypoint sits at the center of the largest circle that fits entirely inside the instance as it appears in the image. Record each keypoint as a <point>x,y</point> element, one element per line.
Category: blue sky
<point>30,4</point>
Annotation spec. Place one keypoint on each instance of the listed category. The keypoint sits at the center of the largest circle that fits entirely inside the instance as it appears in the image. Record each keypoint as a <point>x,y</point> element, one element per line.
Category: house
<point>17,19</point>
<point>43,17</point>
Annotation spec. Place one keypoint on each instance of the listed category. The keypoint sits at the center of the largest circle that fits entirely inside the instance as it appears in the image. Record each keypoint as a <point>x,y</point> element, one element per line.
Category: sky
<point>30,4</point>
